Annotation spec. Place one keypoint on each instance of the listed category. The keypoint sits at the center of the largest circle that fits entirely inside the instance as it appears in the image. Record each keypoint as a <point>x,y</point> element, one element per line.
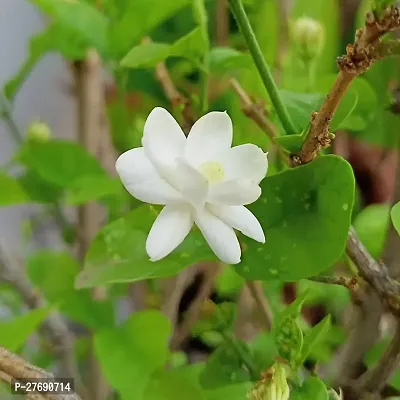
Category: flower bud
<point>39,131</point>
<point>272,386</point>
<point>308,36</point>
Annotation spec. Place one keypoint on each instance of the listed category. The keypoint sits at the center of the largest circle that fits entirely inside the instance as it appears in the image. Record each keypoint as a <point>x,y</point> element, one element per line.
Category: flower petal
<point>142,180</point>
<point>190,183</point>
<point>210,135</point>
<point>245,161</point>
<point>168,231</point>
<point>235,192</point>
<point>240,218</point>
<point>220,237</point>
<point>163,138</point>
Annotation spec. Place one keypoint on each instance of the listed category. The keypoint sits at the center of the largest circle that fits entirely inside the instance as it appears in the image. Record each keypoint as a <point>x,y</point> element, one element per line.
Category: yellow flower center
<point>213,171</point>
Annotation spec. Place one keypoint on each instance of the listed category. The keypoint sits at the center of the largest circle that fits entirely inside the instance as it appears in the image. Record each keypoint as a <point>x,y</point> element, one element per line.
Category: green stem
<point>200,15</point>
<point>263,69</point>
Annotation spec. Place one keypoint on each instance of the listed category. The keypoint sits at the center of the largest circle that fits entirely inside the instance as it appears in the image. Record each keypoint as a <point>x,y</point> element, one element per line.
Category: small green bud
<point>272,386</point>
<point>308,35</point>
<point>39,131</point>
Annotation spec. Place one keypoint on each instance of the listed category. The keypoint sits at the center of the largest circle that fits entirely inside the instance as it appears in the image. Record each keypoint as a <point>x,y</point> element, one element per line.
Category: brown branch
<point>222,22</point>
<point>257,292</point>
<point>173,290</point>
<point>348,282</point>
<point>54,327</point>
<point>91,118</point>
<point>359,57</point>
<point>210,273</point>
<point>374,380</point>
<point>255,111</point>
<point>376,274</point>
<point>14,367</point>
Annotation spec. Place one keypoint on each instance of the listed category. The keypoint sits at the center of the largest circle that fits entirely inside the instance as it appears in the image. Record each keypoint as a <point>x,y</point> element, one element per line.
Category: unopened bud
<point>39,131</point>
<point>272,386</point>
<point>308,36</point>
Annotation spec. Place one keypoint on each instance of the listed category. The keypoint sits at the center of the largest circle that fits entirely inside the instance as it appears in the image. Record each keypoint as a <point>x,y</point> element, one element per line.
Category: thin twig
<point>211,272</point>
<point>359,57</point>
<point>347,282</point>
<point>14,367</point>
<point>257,292</point>
<point>54,327</point>
<point>254,111</point>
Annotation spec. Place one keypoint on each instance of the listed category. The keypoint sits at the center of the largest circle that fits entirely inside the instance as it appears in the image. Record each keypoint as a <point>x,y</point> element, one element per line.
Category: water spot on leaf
<point>273,271</point>
<point>345,207</point>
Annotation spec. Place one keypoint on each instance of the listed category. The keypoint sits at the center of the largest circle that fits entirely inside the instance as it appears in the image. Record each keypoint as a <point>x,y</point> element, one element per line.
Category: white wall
<point>45,95</point>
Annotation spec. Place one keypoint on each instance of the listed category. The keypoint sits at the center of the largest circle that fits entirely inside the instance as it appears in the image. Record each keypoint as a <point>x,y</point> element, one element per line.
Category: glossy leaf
<point>60,162</point>
<point>172,385</point>
<point>312,388</point>
<point>223,60</point>
<point>371,225</point>
<point>77,16</point>
<point>395,214</point>
<point>305,213</point>
<point>11,192</point>
<point>313,336</point>
<point>117,253</point>
<point>224,367</point>
<point>131,353</point>
<point>92,187</point>
<point>146,55</point>
<point>147,14</point>
<point>14,333</point>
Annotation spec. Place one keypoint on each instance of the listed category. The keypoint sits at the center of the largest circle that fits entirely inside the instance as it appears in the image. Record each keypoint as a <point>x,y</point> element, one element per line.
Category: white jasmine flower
<point>200,179</point>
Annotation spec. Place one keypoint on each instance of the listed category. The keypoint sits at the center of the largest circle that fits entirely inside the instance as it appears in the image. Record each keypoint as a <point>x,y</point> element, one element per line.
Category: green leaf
<point>80,18</point>
<point>305,213</point>
<point>345,109</point>
<point>312,388</point>
<point>37,189</point>
<point>92,187</point>
<point>191,46</point>
<point>371,225</point>
<point>146,14</point>
<point>11,191</point>
<point>301,105</point>
<point>228,283</point>
<point>223,60</point>
<point>131,353</point>
<point>60,162</point>
<point>263,350</point>
<point>146,55</point>
<point>224,367</point>
<point>293,310</point>
<point>53,273</point>
<point>395,215</point>
<point>15,333</point>
<point>117,253</point>
<point>291,143</point>
<point>54,38</point>
<point>172,385</point>
<point>313,336</point>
